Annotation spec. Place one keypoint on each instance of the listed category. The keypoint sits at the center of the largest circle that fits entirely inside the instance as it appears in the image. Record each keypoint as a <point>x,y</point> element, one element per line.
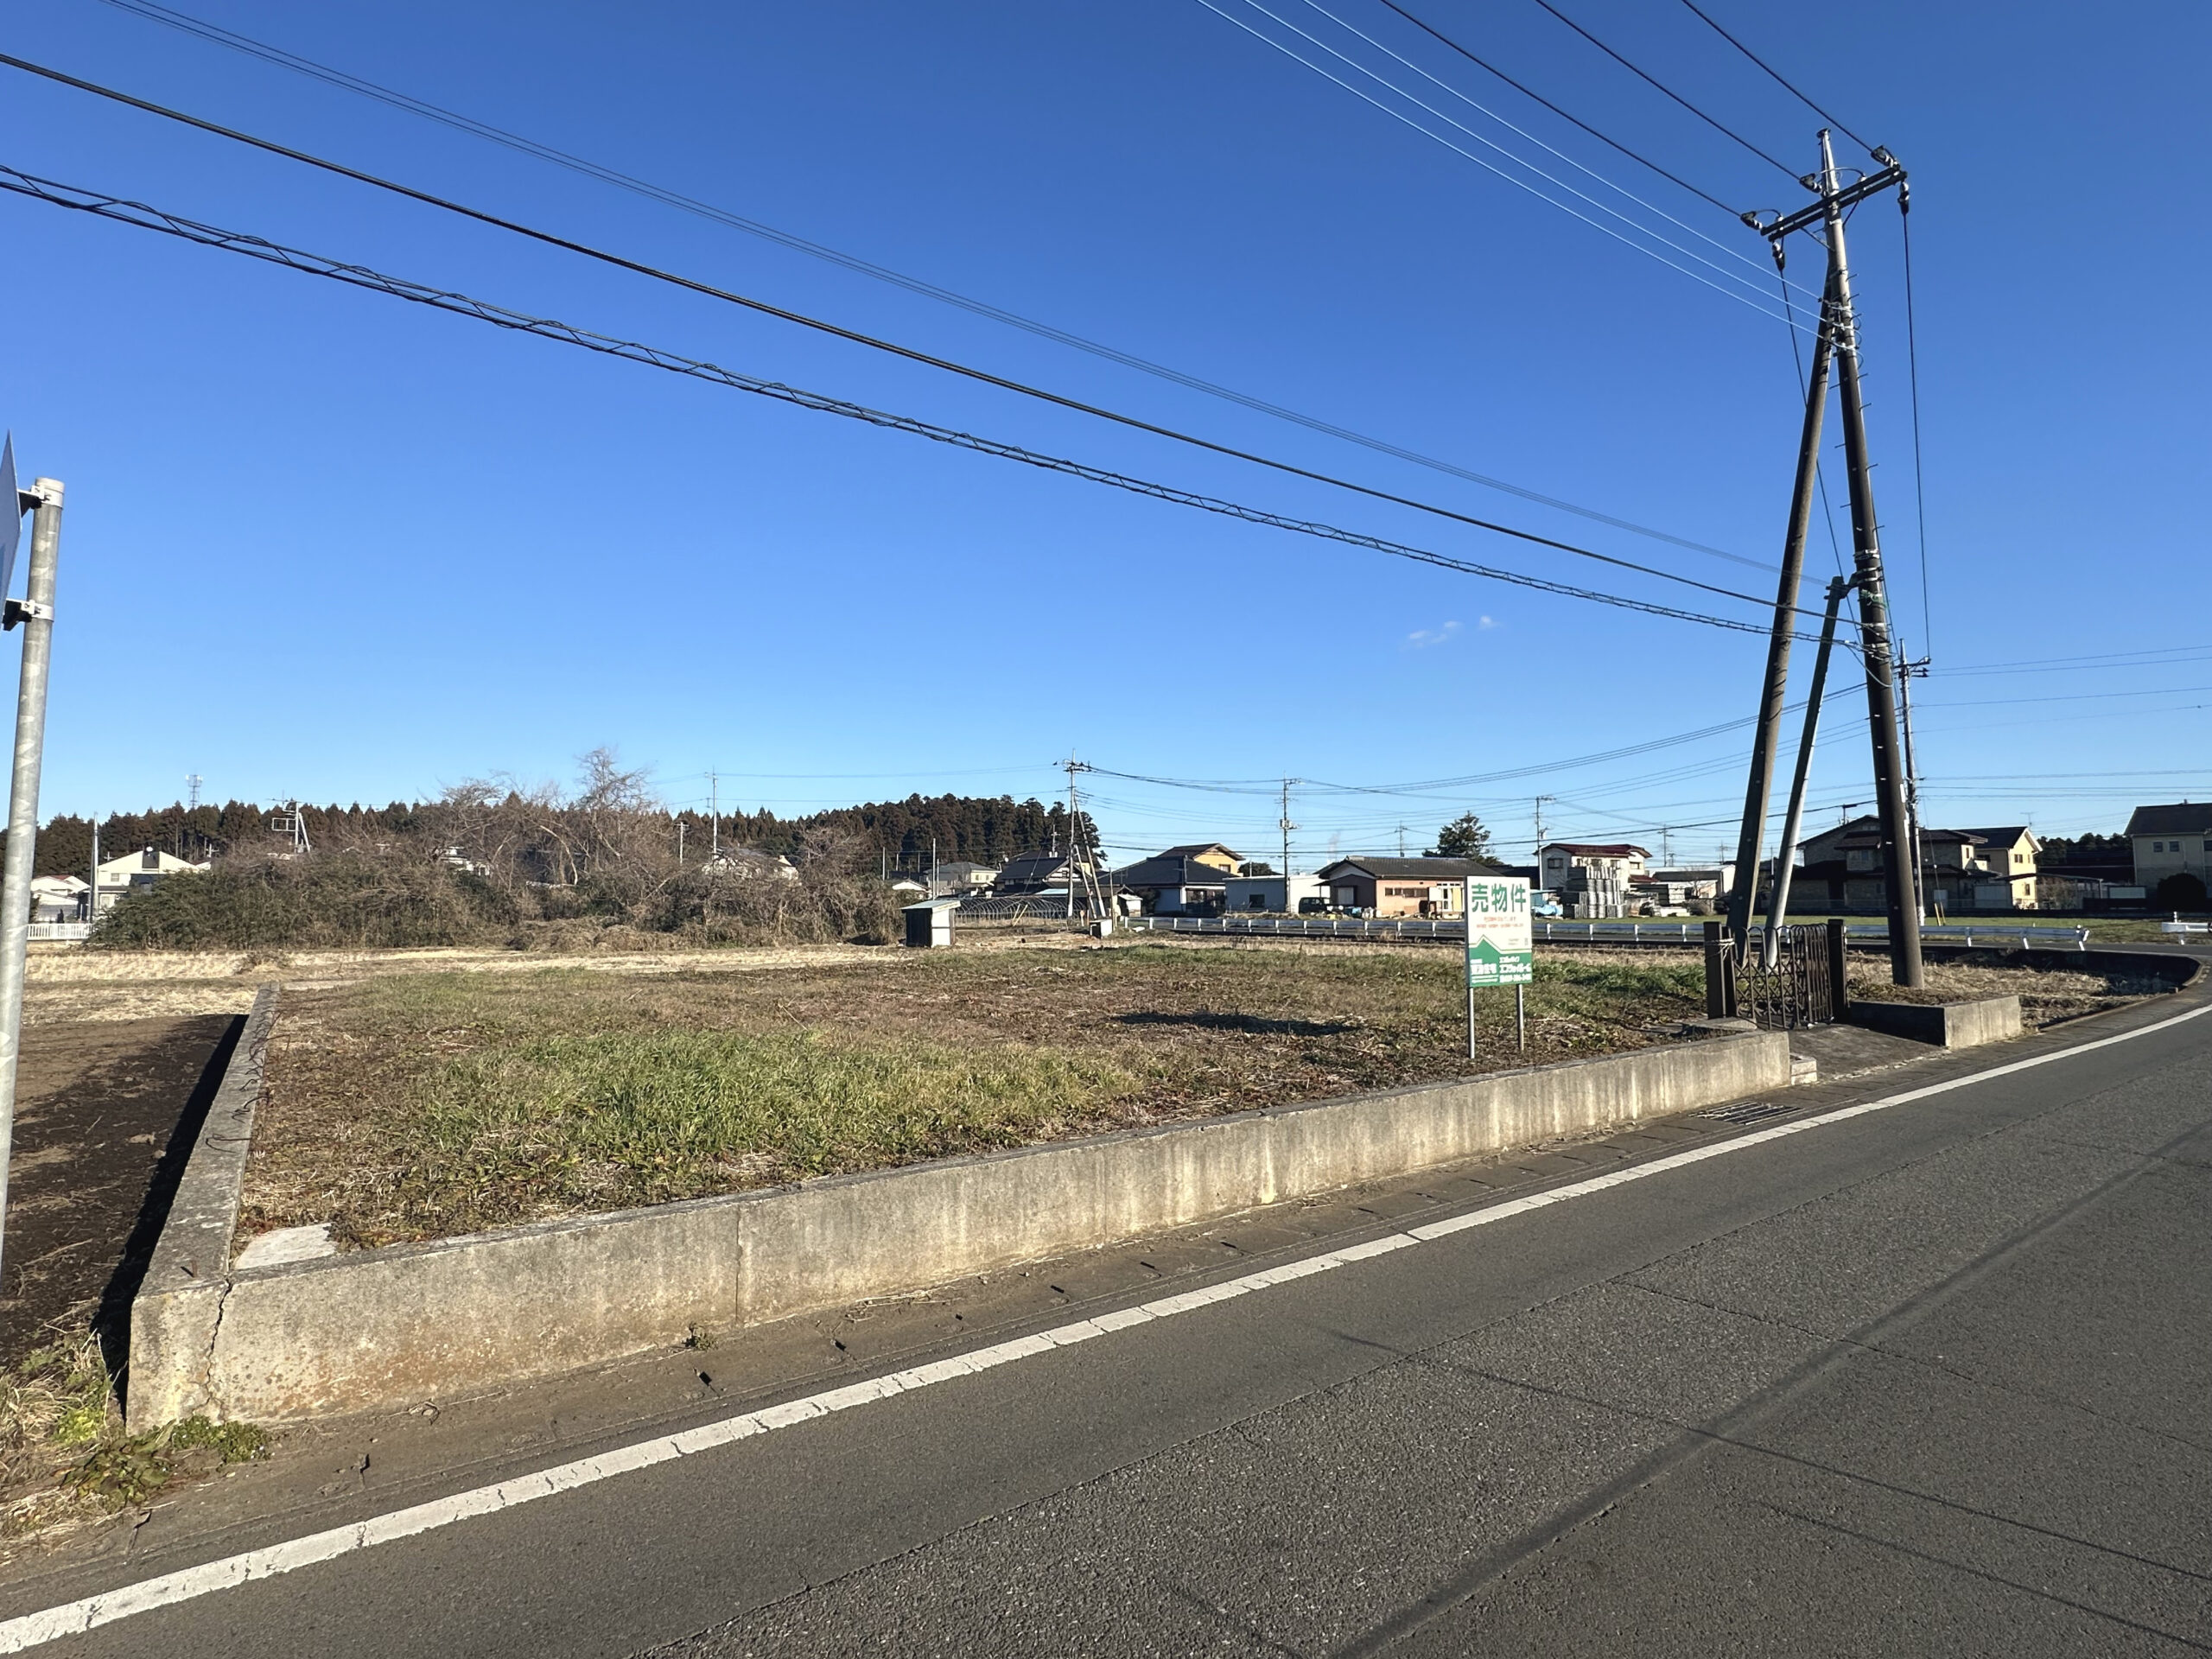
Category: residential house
<point>1283,894</point>
<point>1962,872</point>
<point>2009,853</point>
<point>1707,881</point>
<point>1033,873</point>
<point>964,877</point>
<point>135,870</point>
<point>1176,883</point>
<point>2170,841</point>
<point>58,898</point>
<point>1210,851</point>
<point>1402,886</point>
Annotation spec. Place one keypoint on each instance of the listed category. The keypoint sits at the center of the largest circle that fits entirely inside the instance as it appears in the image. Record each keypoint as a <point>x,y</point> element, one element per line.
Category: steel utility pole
<point>36,612</point>
<point>1901,878</point>
<point>1775,691</point>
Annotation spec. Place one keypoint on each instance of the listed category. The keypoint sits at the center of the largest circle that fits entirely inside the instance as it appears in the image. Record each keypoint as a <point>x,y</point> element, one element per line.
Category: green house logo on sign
<point>1501,944</point>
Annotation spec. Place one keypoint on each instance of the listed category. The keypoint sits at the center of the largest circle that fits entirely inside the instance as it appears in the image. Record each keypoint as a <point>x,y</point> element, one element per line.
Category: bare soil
<point>98,1103</point>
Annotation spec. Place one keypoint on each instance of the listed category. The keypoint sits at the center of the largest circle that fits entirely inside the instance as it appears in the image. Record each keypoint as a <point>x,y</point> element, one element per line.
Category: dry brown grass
<point>420,1104</point>
<point>2047,997</point>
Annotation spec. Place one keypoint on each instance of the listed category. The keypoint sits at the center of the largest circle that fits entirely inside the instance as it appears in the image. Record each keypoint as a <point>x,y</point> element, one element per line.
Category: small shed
<point>929,925</point>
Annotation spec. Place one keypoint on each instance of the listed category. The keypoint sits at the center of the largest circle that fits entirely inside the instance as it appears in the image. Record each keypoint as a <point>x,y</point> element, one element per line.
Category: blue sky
<point>325,544</point>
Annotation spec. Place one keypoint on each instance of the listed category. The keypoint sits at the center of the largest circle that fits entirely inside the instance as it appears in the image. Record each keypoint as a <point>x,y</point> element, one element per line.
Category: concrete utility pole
<point>1785,857</point>
<point>1876,645</point>
<point>36,612</point>
<point>1286,826</point>
<point>1775,690</point>
<point>1875,642</point>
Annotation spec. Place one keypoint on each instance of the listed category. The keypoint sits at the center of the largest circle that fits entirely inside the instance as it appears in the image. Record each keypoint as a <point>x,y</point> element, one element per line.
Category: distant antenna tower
<point>293,823</point>
<point>192,791</point>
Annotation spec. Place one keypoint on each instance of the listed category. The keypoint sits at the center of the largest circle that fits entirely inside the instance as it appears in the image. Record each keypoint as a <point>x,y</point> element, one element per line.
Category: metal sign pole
<point>36,612</point>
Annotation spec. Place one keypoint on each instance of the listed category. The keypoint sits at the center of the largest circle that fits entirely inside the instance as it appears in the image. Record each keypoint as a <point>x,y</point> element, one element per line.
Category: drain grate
<point>1750,1112</point>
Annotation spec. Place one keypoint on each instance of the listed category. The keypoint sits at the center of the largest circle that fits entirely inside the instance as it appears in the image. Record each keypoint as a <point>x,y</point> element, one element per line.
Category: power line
<point>1651,207</point>
<point>338,78</point>
<point>1787,171</point>
<point>1771,70</point>
<point>1912,371</point>
<point>1518,183</point>
<point>144,217</point>
<point>1529,92</point>
<point>838,331</point>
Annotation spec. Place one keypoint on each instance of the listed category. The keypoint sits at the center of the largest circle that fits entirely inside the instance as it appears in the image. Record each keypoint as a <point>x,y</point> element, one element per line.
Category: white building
<point>58,898</point>
<point>1276,893</point>
<point>142,869</point>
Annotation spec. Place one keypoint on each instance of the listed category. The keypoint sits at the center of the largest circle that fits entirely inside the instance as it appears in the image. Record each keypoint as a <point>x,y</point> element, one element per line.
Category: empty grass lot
<point>424,1104</point>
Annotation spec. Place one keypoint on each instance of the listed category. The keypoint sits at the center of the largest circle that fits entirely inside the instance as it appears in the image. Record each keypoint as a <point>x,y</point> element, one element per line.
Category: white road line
<point>76,1617</point>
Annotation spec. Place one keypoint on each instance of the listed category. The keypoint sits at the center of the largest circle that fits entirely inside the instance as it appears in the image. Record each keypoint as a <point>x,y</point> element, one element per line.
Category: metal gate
<point>1806,986</point>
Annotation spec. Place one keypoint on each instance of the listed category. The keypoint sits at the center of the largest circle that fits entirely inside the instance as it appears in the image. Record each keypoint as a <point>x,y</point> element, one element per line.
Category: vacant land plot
<point>423,1104</point>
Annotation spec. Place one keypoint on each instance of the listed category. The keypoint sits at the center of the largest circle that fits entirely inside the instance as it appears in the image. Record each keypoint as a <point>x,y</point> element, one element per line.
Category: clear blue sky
<point>319,542</point>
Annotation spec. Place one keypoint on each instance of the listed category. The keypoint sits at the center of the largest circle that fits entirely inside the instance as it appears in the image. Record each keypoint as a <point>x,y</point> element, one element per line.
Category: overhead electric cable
<point>143,217</point>
<point>1734,253</point>
<point>1786,170</point>
<point>1435,137</point>
<point>1771,70</point>
<point>853,335</point>
<point>1912,374</point>
<point>338,78</point>
<point>1530,92</point>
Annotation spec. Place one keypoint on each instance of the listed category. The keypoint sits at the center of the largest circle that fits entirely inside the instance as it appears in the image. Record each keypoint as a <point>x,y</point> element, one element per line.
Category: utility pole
<point>1775,690</point>
<point>1876,643</point>
<point>1540,799</point>
<point>1286,826</point>
<point>36,612</point>
<point>1785,857</point>
<point>714,818</point>
<point>1905,672</point>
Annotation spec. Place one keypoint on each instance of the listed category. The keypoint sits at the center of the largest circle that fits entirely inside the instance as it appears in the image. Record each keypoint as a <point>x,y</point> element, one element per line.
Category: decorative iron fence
<point>1804,984</point>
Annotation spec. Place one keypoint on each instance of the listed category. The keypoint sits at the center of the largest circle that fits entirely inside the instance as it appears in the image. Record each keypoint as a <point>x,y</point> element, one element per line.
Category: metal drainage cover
<point>1750,1112</point>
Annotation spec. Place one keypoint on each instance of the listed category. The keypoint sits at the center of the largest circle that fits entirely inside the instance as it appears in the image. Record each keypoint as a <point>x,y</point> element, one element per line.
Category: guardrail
<point>2185,927</point>
<point>61,932</point>
<point>1969,935</point>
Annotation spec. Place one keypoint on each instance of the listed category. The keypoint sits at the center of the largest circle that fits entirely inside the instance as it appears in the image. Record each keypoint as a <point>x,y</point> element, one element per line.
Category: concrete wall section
<point>1948,1024</point>
<point>174,1315</point>
<point>380,1328</point>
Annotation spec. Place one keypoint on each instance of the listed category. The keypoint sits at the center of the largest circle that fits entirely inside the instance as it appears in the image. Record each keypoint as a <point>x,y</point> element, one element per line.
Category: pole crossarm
<point>1786,224</point>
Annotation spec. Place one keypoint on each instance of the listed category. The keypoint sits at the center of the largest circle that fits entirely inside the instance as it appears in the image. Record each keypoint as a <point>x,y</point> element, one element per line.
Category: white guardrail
<point>1995,936</point>
<point>61,932</point>
<point>2185,928</point>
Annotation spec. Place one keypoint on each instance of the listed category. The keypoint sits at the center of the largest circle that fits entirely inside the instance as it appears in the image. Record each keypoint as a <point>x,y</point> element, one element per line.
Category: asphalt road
<point>1936,1379</point>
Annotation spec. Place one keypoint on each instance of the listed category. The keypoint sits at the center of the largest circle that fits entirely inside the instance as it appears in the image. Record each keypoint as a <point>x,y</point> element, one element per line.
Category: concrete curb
<point>382,1328</point>
<point>1947,1025</point>
<point>179,1307</point>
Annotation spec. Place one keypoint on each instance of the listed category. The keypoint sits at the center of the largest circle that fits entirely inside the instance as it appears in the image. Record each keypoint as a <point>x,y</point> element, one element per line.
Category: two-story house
<point>2172,843</point>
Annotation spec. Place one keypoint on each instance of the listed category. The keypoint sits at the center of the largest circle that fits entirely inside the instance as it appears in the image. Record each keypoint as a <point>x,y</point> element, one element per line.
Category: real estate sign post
<point>1501,944</point>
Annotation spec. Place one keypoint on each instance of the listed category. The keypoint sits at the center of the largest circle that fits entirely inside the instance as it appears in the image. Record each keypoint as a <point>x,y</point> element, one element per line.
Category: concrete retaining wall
<point>380,1328</point>
<point>174,1314</point>
<point>1948,1024</point>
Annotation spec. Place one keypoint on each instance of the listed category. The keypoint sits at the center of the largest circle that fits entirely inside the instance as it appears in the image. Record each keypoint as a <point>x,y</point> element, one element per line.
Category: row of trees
<point>497,857</point>
<point>901,835</point>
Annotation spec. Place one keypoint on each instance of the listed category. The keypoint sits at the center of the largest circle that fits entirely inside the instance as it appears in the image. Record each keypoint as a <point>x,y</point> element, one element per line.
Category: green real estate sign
<point>1501,946</point>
